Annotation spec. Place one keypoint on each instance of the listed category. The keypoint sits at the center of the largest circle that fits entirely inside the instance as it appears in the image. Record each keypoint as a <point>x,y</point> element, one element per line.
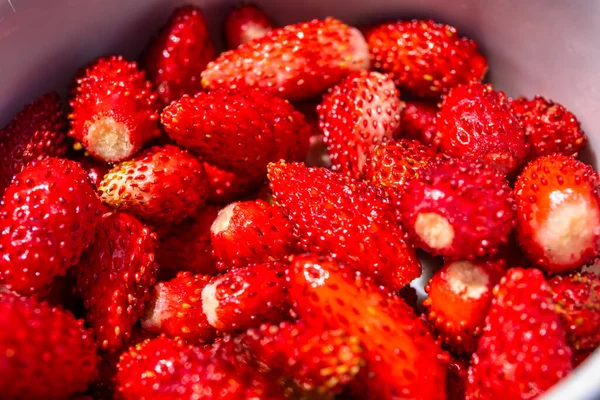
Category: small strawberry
<point>295,62</point>
<point>458,209</point>
<point>47,219</point>
<point>356,115</point>
<point>45,353</point>
<point>418,122</point>
<point>251,232</point>
<point>523,350</point>
<point>226,186</point>
<point>425,58</point>
<point>476,122</point>
<point>175,58</point>
<point>549,127</point>
<point>398,346</point>
<point>244,23</point>
<point>114,109</point>
<point>161,184</point>
<point>558,217</point>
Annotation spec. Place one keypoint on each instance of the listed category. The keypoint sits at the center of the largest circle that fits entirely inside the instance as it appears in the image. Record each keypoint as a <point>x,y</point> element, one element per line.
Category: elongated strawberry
<point>45,353</point>
<point>114,109</point>
<point>47,219</point>
<point>523,350</point>
<point>476,122</point>
<point>558,216</point>
<point>161,184</point>
<point>398,346</point>
<point>458,209</point>
<point>418,122</point>
<point>244,23</point>
<point>251,232</point>
<point>425,58</point>
<point>356,115</point>
<point>295,62</point>
<point>335,215</point>
<point>227,186</point>
<point>175,58</point>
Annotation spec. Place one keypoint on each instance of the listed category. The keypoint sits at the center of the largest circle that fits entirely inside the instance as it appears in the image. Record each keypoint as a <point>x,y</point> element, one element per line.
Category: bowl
<point>533,47</point>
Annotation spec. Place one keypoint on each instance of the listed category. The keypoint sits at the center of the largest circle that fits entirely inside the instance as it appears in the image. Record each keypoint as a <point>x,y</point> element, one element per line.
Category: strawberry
<point>523,350</point>
<point>160,185</point>
<point>33,134</point>
<point>458,209</point>
<point>294,62</point>
<point>114,109</point>
<point>244,23</point>
<point>96,169</point>
<point>425,58</point>
<point>45,353</point>
<point>549,127</point>
<point>356,115</point>
<point>175,58</point>
<point>245,297</point>
<point>352,222</point>
<point>47,219</point>
<point>398,346</point>
<point>577,299</point>
<point>251,232</point>
<point>115,276</point>
<point>418,122</point>
<point>226,186</point>
<point>476,122</point>
<point>558,217</point>
<point>175,309</point>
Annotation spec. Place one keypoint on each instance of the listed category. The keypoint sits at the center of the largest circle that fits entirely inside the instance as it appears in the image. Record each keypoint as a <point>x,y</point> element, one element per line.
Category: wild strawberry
<point>96,169</point>
<point>398,346</point>
<point>33,134</point>
<point>294,62</point>
<point>47,219</point>
<point>523,350</point>
<point>178,54</point>
<point>45,353</point>
<point>418,122</point>
<point>226,186</point>
<point>549,127</point>
<point>356,115</point>
<point>251,232</point>
<point>476,122</point>
<point>577,299</point>
<point>458,209</point>
<point>558,217</point>
<point>244,23</point>
<point>175,309</point>
<point>456,378</point>
<point>425,58</point>
<point>161,184</point>
<point>245,297</point>
<point>114,109</point>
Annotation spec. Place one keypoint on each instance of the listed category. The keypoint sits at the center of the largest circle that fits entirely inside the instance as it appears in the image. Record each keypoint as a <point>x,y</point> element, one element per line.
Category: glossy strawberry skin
<point>294,62</point>
<point>244,23</point>
<point>178,54</point>
<point>227,186</point>
<point>425,58</point>
<point>47,219</point>
<point>418,122</point>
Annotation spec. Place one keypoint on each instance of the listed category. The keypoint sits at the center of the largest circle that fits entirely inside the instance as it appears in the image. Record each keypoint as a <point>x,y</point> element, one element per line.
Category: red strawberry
<point>251,232</point>
<point>245,297</point>
<point>425,58</point>
<point>577,299</point>
<point>115,276</point>
<point>523,350</point>
<point>33,134</point>
<point>558,216</point>
<point>45,353</point>
<point>47,220</point>
<point>295,62</point>
<point>398,346</point>
<point>175,309</point>
<point>418,122</point>
<point>476,122</point>
<point>549,127</point>
<point>244,23</point>
<point>356,115</point>
<point>177,56</point>
<point>352,222</point>
<point>458,209</point>
<point>96,169</point>
<point>114,109</point>
<point>456,378</point>
<point>226,186</point>
<point>161,184</point>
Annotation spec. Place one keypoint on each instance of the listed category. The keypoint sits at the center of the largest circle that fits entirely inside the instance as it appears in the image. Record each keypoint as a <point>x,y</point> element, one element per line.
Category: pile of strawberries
<point>244,226</point>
